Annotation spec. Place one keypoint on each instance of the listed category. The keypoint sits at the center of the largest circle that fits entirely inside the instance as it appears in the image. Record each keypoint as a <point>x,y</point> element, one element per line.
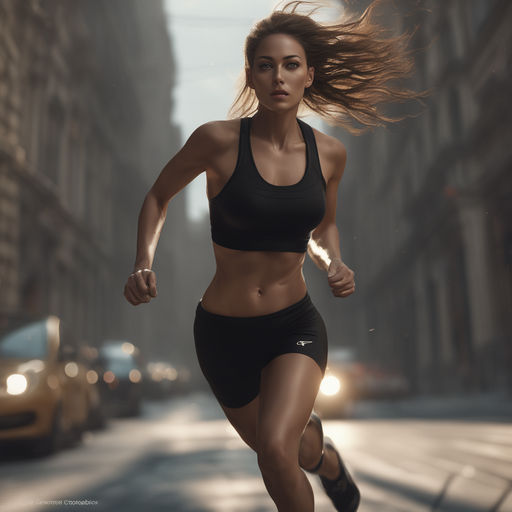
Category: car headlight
<point>26,377</point>
<point>16,384</point>
<point>330,385</point>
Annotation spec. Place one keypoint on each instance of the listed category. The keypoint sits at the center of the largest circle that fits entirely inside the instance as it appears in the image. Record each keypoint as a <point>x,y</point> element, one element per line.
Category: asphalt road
<point>182,456</point>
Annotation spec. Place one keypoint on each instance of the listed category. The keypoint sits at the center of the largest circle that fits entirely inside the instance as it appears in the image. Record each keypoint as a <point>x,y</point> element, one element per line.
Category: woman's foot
<point>342,490</point>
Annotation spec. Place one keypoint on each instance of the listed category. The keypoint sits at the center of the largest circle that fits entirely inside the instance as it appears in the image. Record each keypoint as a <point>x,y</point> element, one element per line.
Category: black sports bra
<point>251,214</point>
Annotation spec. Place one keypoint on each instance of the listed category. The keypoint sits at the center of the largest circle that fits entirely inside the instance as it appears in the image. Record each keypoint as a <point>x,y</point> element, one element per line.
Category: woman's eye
<point>289,65</point>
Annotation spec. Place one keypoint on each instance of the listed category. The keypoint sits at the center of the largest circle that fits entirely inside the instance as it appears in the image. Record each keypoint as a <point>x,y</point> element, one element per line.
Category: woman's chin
<point>279,106</point>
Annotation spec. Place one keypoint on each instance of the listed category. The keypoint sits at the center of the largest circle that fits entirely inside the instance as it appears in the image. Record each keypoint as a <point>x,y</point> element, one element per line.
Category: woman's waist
<point>252,297</point>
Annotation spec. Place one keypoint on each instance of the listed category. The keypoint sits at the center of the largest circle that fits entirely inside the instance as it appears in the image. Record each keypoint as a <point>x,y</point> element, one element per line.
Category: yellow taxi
<point>45,393</point>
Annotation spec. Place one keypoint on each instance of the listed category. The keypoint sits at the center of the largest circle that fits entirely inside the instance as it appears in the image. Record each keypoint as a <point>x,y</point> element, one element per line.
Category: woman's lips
<point>279,95</point>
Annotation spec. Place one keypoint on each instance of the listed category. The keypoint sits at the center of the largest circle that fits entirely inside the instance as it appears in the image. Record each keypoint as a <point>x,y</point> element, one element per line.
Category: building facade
<point>84,129</point>
<point>426,211</point>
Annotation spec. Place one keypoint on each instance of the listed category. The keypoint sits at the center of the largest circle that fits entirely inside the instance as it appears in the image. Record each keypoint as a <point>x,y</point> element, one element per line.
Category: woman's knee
<point>276,455</point>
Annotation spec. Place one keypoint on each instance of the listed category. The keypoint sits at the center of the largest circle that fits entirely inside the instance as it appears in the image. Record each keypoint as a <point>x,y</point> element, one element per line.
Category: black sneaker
<point>343,491</point>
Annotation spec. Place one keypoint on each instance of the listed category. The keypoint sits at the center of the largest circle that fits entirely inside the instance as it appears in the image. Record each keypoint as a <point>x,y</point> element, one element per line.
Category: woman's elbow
<point>157,200</point>
<point>320,231</point>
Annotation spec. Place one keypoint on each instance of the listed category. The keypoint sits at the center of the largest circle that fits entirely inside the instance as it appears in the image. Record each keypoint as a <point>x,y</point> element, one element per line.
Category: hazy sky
<point>208,40</point>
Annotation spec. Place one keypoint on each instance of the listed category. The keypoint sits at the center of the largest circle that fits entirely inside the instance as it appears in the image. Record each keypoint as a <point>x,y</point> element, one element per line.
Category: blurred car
<point>376,382</point>
<point>97,418</point>
<point>161,380</point>
<point>45,397</point>
<point>121,378</point>
<point>338,387</point>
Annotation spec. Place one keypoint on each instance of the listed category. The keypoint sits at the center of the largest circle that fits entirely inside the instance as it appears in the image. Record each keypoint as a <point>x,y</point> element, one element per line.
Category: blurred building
<point>426,211</point>
<point>85,105</point>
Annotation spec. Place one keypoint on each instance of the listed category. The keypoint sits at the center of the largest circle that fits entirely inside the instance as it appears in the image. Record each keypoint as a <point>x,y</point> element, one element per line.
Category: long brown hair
<point>354,62</point>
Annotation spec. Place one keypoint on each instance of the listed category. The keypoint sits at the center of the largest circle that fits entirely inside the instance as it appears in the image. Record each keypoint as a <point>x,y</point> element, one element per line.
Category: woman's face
<point>280,65</point>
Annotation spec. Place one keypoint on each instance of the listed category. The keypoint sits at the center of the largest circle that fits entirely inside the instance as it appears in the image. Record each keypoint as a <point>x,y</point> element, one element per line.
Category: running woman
<point>272,186</point>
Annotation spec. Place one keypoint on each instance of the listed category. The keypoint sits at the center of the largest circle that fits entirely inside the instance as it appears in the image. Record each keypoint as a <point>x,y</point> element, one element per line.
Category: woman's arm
<point>185,166</point>
<point>324,246</point>
<point>151,221</point>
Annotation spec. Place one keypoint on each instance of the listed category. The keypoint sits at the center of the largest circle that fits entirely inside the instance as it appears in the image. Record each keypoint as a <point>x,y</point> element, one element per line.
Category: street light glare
<point>330,385</point>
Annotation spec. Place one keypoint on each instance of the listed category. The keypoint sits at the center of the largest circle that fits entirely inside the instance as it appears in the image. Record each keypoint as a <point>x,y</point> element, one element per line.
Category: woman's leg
<point>245,421</point>
<point>289,385</point>
<point>310,453</point>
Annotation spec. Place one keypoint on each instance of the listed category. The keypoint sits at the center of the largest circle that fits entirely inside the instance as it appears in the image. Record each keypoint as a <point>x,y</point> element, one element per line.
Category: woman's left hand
<point>340,278</point>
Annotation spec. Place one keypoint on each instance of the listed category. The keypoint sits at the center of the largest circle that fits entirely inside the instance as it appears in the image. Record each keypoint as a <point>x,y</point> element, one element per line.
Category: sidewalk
<point>485,406</point>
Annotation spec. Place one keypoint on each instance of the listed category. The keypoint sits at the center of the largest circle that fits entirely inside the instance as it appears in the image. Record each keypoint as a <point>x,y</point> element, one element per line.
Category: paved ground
<point>183,456</point>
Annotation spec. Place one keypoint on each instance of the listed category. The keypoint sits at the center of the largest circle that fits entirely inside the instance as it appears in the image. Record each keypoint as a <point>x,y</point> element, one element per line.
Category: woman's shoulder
<point>329,146</point>
<point>332,154</point>
<point>328,143</point>
<point>218,133</point>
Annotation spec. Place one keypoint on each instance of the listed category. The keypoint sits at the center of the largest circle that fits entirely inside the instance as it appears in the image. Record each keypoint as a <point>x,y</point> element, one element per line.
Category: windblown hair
<point>354,62</point>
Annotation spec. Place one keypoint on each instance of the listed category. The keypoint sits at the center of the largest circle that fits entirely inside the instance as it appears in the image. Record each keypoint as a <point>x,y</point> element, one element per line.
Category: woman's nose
<point>278,79</point>
<point>277,75</point>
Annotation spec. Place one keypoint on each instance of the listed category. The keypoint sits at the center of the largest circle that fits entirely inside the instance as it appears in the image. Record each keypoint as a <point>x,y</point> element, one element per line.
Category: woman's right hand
<point>140,286</point>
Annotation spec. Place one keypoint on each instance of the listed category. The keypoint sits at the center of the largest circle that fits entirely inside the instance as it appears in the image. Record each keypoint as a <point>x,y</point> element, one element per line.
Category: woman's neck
<point>279,129</point>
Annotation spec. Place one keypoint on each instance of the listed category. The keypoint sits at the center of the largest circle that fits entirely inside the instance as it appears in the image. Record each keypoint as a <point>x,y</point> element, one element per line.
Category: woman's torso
<point>252,282</point>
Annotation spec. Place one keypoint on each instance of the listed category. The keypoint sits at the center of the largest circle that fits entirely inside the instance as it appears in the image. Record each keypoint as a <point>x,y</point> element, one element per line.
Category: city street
<point>182,456</point>
<point>158,157</point>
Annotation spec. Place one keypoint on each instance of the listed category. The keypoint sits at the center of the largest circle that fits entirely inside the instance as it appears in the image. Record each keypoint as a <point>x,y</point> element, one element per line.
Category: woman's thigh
<point>289,386</point>
<point>229,357</point>
<point>245,421</point>
<point>281,411</point>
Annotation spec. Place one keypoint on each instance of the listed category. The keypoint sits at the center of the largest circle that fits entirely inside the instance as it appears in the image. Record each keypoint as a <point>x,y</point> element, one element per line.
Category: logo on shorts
<point>304,342</point>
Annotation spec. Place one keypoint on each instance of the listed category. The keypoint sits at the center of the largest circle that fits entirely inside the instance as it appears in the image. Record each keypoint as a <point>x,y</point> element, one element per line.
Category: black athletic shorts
<point>233,350</point>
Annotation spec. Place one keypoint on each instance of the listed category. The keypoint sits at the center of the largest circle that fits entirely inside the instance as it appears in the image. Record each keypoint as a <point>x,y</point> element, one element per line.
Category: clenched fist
<point>140,286</point>
<point>340,278</point>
